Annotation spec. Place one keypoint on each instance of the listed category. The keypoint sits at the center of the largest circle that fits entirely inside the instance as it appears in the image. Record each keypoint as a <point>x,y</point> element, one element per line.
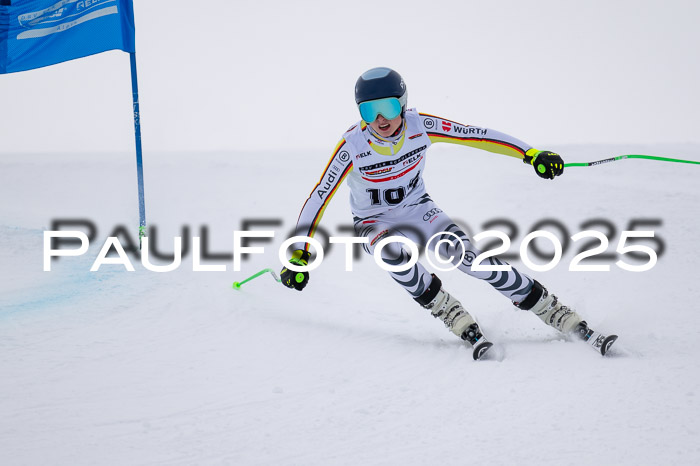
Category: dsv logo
<point>431,214</point>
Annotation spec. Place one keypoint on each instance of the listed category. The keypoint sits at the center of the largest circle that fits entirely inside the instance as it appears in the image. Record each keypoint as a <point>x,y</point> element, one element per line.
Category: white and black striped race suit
<point>388,197</point>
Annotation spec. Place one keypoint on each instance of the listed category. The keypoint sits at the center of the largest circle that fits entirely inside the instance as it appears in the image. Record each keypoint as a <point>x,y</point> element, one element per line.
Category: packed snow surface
<point>118,367</point>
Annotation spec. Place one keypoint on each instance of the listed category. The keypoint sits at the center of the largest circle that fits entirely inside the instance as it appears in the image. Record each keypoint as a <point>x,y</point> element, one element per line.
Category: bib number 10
<point>393,196</point>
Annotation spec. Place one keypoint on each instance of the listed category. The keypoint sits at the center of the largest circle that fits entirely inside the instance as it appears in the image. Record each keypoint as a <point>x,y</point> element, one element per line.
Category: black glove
<point>547,164</point>
<point>292,279</point>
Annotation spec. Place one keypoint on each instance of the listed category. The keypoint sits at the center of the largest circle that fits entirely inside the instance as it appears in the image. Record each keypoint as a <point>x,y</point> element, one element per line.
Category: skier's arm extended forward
<point>547,164</point>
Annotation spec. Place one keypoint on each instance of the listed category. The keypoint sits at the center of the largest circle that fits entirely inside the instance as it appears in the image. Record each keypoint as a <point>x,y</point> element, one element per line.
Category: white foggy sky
<point>272,75</point>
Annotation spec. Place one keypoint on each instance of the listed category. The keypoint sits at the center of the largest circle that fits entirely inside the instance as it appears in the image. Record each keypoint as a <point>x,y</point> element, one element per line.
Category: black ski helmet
<point>379,83</point>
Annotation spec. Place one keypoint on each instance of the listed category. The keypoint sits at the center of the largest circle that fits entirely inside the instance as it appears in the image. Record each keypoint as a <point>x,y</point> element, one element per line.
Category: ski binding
<point>596,340</point>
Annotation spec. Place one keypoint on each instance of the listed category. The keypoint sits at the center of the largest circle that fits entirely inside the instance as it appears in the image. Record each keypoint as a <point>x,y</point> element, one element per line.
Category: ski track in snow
<point>177,368</point>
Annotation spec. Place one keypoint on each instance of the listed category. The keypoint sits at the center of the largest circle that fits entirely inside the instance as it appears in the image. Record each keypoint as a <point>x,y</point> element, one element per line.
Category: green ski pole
<point>631,156</point>
<point>237,285</point>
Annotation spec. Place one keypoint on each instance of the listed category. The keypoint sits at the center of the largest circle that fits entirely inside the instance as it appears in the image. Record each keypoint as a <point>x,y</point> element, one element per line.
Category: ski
<point>480,348</point>
<point>596,340</point>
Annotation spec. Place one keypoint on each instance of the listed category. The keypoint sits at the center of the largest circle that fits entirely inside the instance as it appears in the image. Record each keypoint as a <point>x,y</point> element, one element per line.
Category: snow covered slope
<point>116,367</point>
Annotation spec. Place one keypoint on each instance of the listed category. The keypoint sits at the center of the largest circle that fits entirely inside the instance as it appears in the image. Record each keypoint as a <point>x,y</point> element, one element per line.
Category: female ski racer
<point>383,158</point>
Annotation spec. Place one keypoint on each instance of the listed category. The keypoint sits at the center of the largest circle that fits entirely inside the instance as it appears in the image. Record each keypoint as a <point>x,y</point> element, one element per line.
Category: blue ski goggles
<point>389,108</point>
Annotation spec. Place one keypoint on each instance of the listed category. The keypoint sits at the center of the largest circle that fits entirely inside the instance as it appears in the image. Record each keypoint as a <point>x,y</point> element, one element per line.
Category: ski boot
<point>547,307</point>
<point>445,307</point>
